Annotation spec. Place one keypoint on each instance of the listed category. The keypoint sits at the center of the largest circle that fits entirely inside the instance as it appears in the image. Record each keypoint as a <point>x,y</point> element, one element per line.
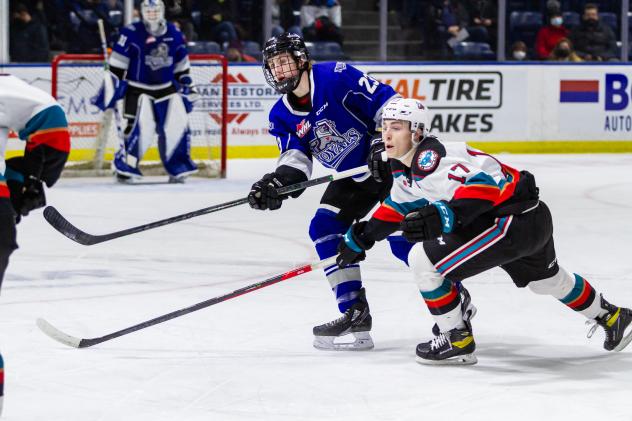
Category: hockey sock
<point>583,299</point>
<point>347,294</point>
<point>444,304</point>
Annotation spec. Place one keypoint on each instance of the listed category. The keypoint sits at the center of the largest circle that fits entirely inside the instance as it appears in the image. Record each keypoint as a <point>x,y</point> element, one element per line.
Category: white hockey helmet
<point>411,110</point>
<point>153,13</point>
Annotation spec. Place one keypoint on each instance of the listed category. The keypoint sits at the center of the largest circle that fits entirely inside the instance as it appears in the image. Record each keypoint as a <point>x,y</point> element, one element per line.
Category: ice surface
<point>252,358</point>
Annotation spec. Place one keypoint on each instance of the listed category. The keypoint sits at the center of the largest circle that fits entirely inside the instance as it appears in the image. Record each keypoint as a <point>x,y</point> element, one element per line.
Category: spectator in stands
<point>179,12</point>
<point>217,21</point>
<point>454,20</point>
<point>519,51</point>
<point>593,40</point>
<point>549,35</point>
<point>316,8</point>
<point>235,53</point>
<point>431,14</point>
<point>563,51</point>
<point>28,37</point>
<point>483,22</point>
<point>88,12</point>
<point>323,30</point>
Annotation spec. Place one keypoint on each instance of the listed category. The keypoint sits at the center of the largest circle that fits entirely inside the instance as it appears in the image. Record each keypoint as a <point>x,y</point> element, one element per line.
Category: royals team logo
<point>427,160</point>
<point>159,57</point>
<point>330,146</point>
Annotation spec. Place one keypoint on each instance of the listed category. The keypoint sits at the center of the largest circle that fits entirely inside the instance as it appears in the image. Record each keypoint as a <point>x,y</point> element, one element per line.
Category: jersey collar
<point>312,89</point>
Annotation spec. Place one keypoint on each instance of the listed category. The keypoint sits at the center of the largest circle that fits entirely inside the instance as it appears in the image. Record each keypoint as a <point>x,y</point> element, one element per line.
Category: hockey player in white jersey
<point>39,120</point>
<point>150,71</point>
<point>467,213</point>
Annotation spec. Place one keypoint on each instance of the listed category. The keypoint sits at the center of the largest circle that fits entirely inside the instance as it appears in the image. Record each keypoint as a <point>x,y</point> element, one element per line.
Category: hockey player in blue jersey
<point>149,66</point>
<point>329,112</point>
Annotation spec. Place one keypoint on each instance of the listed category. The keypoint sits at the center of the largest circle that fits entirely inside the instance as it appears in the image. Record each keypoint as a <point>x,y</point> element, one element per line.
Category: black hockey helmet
<point>285,43</point>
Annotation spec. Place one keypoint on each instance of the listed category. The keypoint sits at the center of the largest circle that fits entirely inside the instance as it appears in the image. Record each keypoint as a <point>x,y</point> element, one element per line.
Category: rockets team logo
<point>428,160</point>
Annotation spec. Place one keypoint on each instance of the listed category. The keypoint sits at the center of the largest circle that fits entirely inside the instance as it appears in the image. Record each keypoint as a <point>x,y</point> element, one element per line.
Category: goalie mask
<point>412,111</point>
<point>285,58</point>
<point>153,13</point>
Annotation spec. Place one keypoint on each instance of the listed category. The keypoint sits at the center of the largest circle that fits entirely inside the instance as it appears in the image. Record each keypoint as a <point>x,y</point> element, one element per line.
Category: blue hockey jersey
<point>346,108</point>
<point>150,61</point>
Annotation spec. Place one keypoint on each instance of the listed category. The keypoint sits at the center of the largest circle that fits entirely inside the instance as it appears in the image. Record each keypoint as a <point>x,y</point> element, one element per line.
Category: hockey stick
<point>62,225</point>
<point>75,342</point>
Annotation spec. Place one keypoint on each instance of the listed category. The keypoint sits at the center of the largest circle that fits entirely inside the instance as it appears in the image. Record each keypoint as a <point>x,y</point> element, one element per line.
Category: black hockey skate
<point>467,308</point>
<point>617,324</point>
<point>455,347</point>
<point>356,321</point>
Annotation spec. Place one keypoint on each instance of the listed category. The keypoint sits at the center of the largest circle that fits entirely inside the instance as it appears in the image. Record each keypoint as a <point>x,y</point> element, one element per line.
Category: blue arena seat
<point>325,51</point>
<point>253,49</point>
<point>523,26</point>
<point>204,47</point>
<point>612,20</point>
<point>571,19</point>
<point>473,51</point>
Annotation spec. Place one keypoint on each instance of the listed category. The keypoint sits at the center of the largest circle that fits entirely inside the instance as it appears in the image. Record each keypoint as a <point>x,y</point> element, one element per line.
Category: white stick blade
<point>57,334</point>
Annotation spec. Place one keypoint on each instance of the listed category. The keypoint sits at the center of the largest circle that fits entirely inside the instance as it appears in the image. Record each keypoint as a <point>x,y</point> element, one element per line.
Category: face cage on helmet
<point>287,85</point>
<point>152,14</point>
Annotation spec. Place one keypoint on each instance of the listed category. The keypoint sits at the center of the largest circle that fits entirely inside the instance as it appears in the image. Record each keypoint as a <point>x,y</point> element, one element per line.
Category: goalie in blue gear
<point>149,69</point>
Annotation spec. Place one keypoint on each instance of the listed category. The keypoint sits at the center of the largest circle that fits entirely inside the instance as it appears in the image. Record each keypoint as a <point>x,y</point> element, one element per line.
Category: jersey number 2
<point>368,83</point>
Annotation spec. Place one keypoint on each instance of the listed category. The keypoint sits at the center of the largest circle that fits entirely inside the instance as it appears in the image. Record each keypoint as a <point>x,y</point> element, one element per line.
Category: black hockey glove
<point>377,161</point>
<point>422,225</point>
<point>263,194</point>
<point>353,245</point>
<point>26,196</point>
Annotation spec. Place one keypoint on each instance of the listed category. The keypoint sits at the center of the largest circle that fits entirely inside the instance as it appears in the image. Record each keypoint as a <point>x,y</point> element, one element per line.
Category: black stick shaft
<point>66,228</point>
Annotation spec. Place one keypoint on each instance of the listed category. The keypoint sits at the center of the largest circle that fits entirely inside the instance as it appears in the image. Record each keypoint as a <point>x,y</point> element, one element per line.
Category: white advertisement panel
<point>474,103</point>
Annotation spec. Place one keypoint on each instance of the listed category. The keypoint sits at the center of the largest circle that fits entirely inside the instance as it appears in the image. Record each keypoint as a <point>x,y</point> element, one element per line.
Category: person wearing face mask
<point>592,39</point>
<point>519,51</point>
<point>549,35</point>
<point>563,51</point>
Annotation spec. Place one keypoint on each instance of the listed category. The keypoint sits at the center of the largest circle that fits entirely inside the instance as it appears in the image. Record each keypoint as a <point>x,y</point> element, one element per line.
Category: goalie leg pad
<point>138,140</point>
<point>174,135</point>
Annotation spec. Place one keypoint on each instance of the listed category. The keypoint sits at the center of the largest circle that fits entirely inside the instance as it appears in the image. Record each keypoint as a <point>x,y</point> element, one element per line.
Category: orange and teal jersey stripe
<point>443,299</point>
<point>581,296</point>
<point>48,127</point>
<point>391,211</point>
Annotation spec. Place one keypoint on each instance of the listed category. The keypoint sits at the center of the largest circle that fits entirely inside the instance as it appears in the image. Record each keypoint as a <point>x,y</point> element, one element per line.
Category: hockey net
<point>95,135</point>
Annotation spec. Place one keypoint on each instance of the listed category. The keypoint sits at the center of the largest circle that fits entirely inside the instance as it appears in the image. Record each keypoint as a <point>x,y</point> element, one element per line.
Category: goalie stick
<point>75,342</point>
<point>62,225</point>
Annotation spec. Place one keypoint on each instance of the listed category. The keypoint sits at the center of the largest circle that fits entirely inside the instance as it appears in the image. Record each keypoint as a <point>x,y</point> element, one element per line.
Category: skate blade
<point>625,341</point>
<point>468,359</point>
<point>362,342</point>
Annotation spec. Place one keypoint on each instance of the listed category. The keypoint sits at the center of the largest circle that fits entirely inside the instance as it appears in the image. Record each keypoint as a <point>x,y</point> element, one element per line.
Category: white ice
<point>251,358</point>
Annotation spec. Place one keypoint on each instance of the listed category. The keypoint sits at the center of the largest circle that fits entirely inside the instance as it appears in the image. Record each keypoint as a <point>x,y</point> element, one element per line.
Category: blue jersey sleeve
<point>366,97</point>
<point>123,49</point>
<point>180,55</point>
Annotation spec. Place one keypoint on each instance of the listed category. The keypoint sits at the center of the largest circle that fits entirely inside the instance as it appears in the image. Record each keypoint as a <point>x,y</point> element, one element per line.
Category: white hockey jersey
<point>463,182</point>
<point>34,115</point>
